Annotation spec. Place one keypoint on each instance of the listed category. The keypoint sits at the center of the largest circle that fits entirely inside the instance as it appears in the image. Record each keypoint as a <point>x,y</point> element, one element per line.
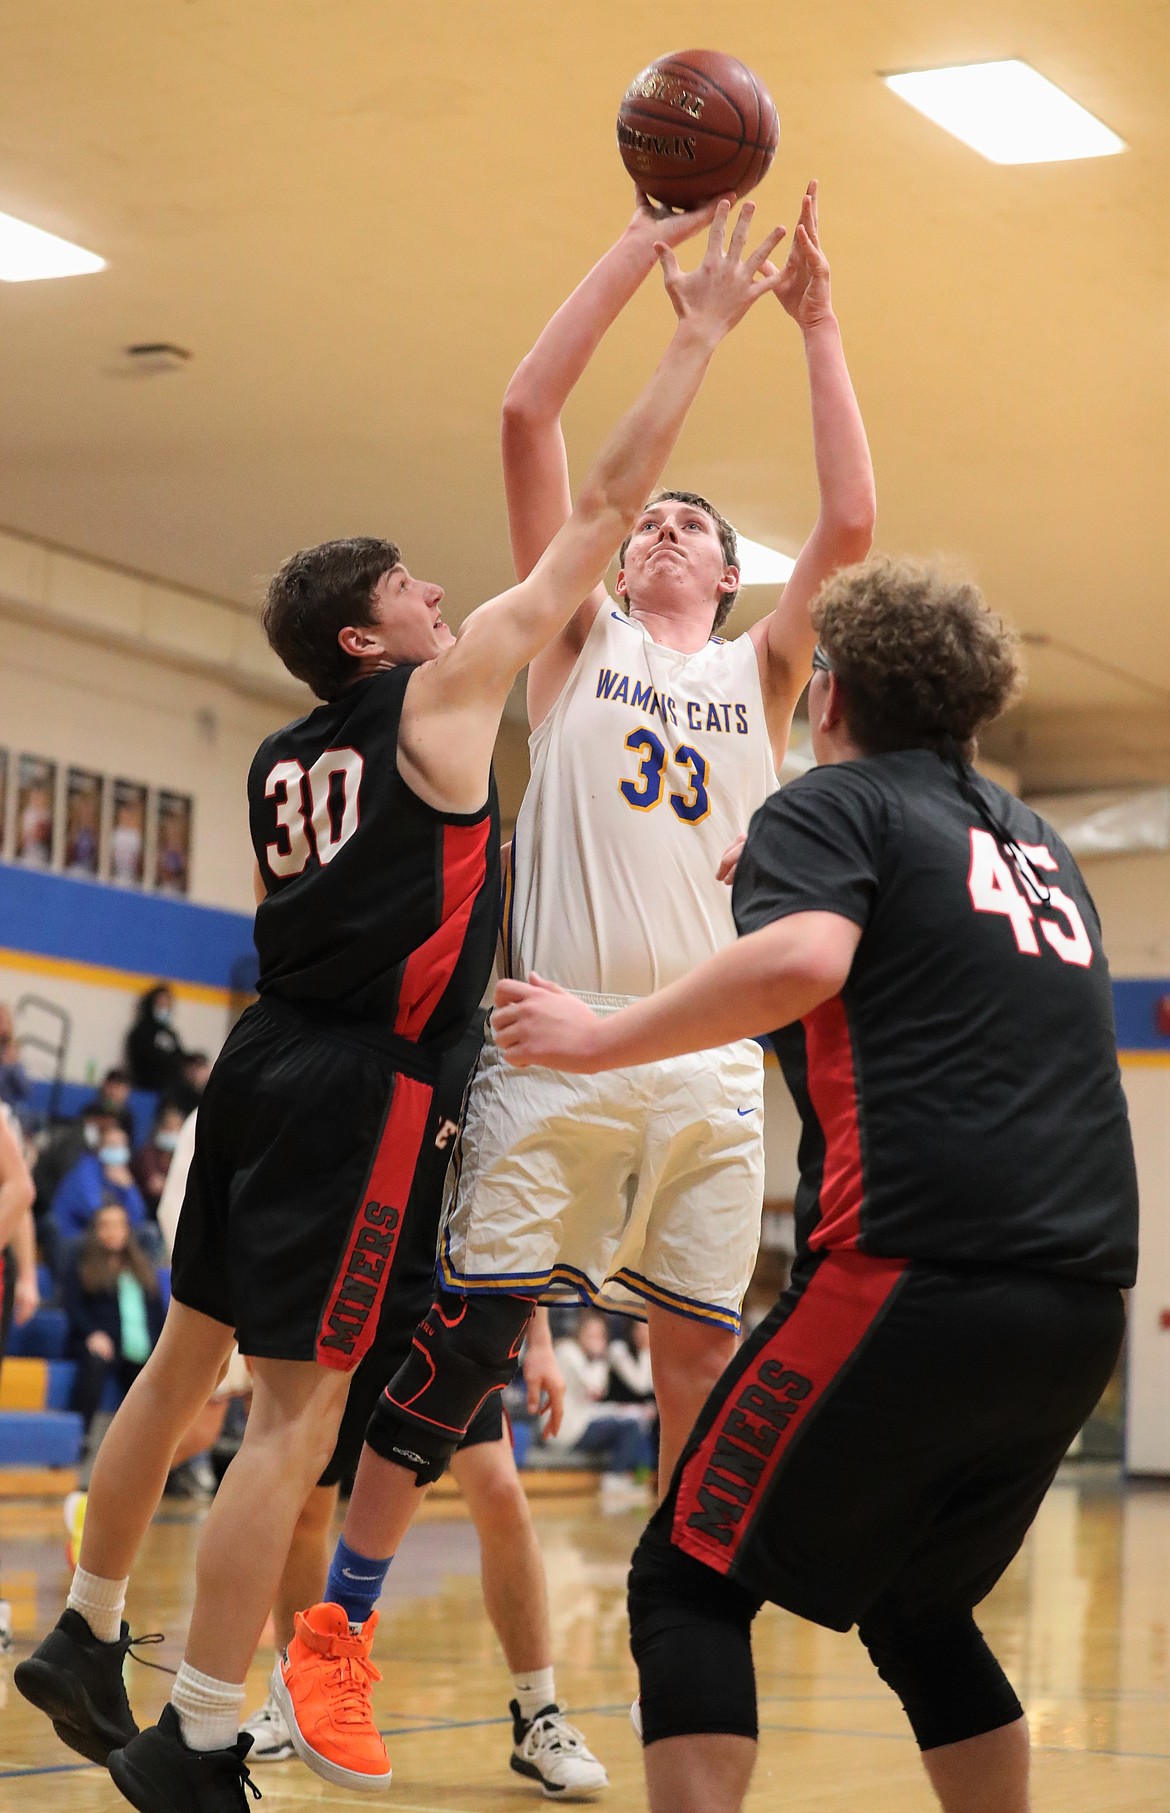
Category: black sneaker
<point>78,1682</point>
<point>158,1773</point>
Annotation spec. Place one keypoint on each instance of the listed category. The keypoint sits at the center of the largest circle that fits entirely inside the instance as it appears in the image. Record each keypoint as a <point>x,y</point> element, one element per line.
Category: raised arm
<point>536,466</point>
<point>453,704</point>
<point>845,521</point>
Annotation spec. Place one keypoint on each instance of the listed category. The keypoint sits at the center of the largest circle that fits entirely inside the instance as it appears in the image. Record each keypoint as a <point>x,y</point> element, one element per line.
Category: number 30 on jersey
<point>316,809</point>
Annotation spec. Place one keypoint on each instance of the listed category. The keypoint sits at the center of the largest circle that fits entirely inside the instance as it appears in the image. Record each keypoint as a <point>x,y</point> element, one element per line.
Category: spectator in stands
<point>589,1426</point>
<point>114,1096</point>
<point>154,1052</point>
<point>111,1297</point>
<point>187,1092</point>
<point>152,1161</point>
<point>630,1378</point>
<point>97,1178</point>
<point>15,1086</point>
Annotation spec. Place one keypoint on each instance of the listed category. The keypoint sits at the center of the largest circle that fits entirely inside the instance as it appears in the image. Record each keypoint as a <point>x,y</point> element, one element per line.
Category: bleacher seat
<point>42,1337</point>
<point>39,1438</point>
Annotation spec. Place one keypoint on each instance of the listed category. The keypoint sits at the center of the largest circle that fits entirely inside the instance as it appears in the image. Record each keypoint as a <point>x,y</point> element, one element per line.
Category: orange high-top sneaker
<point>322,1684</point>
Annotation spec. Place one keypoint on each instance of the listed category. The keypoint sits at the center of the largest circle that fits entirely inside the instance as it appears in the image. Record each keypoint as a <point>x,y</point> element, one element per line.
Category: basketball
<point>696,124</point>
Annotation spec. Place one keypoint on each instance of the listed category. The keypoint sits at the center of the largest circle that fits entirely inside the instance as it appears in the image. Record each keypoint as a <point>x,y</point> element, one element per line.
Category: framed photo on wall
<point>126,847</point>
<point>84,799</point>
<point>172,844</point>
<point>36,810</point>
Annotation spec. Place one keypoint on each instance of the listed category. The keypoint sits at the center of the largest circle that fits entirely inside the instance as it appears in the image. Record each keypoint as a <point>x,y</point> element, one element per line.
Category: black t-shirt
<point>961,1099</point>
<point>380,910</point>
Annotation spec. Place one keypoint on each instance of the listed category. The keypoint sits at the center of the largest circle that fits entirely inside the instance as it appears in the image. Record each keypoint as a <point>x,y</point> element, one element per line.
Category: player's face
<point>408,620</point>
<point>675,554</point>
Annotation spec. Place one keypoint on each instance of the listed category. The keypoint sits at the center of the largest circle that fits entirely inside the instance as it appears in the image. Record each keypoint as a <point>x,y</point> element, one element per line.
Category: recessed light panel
<point>1007,112</point>
<point>28,253</point>
<point>759,565</point>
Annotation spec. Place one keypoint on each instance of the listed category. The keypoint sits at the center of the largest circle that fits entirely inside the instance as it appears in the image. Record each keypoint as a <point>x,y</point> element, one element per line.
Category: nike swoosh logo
<point>363,1579</point>
<point>745,1111</point>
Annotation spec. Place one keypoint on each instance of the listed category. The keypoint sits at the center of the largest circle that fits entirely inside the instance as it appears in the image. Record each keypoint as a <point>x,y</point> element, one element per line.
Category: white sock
<point>209,1710</point>
<point>100,1602</point>
<point>534,1692</point>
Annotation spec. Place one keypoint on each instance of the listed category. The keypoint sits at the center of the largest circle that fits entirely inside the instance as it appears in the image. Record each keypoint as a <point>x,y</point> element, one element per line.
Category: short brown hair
<point>923,662</point>
<point>314,596</point>
<point>728,541</point>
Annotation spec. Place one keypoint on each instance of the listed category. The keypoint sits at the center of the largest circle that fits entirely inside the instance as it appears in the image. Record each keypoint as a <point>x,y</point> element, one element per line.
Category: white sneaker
<point>548,1750</point>
<point>269,1732</point>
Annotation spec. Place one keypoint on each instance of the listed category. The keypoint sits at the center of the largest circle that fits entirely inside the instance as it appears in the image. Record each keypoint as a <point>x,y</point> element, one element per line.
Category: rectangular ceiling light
<point>759,565</point>
<point>1007,112</point>
<point>27,253</point>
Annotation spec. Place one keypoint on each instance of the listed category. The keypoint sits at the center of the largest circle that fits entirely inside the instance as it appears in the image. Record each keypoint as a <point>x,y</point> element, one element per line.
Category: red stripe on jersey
<point>723,1484</point>
<point>832,1089</point>
<point>349,1320</point>
<point>429,969</point>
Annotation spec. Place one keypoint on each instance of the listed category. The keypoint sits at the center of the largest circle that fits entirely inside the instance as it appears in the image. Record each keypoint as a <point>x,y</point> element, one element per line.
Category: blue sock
<point>355,1581</point>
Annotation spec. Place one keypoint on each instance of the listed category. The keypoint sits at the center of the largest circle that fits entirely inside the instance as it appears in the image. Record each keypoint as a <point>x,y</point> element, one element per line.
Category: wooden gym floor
<point>1082,1622</point>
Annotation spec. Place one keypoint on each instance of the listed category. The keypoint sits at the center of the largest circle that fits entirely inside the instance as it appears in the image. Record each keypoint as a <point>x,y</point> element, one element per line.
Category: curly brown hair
<point>728,541</point>
<point>923,662</point>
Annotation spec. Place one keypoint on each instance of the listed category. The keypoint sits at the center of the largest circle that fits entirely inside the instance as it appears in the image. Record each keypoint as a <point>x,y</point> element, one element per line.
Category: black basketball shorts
<point>305,1179</point>
<point>886,1435</point>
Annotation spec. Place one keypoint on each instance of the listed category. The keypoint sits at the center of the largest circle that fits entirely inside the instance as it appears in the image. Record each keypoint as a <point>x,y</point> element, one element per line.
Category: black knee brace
<point>950,1685</point>
<point>690,1634</point>
<point>466,1348</point>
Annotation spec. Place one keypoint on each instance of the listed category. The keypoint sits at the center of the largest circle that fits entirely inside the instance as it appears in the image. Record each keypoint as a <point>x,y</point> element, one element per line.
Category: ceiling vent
<point>149,359</point>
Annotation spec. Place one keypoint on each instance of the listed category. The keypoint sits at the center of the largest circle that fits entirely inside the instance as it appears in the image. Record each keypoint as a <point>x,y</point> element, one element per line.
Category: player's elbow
<point>524,409</point>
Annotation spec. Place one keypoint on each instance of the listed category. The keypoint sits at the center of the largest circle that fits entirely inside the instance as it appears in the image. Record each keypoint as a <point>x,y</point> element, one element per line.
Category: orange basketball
<point>695,124</point>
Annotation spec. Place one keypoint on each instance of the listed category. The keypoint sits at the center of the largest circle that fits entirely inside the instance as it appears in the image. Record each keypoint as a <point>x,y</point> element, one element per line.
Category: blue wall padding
<point>150,934</point>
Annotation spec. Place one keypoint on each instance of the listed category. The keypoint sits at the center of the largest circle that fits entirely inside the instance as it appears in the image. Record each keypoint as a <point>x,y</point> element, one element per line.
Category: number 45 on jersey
<point>994,889</point>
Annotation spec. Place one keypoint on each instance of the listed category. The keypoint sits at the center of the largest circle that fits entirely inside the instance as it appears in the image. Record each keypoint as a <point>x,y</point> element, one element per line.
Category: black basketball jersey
<point>380,910</point>
<point>961,1098</point>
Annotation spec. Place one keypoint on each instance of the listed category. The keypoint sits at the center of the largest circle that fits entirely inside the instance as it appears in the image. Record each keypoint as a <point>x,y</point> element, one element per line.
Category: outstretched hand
<point>721,290</point>
<point>538,1023</point>
<point>658,225</point>
<point>803,288</point>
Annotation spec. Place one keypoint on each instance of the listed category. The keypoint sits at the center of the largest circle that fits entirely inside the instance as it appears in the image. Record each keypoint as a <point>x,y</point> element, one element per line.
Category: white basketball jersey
<point>647,767</point>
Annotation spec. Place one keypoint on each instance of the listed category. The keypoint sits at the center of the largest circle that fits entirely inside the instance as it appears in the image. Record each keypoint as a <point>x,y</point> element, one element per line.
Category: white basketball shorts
<point>634,1186</point>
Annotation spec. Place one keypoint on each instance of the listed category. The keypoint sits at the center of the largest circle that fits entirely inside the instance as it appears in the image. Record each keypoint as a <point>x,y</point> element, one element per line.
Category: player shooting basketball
<point>929,954</point>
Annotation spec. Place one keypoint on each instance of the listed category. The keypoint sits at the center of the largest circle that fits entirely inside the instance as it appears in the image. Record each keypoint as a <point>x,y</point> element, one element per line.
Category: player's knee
<point>465,1349</point>
<point>939,1665</point>
<point>491,1486</point>
<point>690,1634</point>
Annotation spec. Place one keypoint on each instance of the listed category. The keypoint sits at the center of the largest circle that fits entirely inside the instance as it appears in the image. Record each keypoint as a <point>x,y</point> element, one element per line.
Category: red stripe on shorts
<point>350,1318</point>
<point>723,1484</point>
<point>832,1089</point>
<point>429,969</point>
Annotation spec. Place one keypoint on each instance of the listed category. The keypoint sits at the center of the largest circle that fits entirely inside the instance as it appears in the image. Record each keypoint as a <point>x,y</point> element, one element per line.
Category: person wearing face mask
<point>153,1159</point>
<point>101,1175</point>
<point>154,1051</point>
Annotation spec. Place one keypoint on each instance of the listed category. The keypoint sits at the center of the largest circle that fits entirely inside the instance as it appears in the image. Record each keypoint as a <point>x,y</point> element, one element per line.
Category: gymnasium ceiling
<point>357,214</point>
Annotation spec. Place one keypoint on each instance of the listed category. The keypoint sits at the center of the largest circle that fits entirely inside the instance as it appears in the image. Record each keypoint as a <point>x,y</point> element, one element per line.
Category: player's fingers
<point>668,261</point>
<point>715,236</point>
<point>550,988</point>
<point>740,231</point>
<point>764,250</point>
<point>509,992</point>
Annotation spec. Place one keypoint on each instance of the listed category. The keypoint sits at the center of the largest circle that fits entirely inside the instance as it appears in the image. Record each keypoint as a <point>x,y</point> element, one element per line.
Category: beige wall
<point>1133,898</point>
<point>143,719</point>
